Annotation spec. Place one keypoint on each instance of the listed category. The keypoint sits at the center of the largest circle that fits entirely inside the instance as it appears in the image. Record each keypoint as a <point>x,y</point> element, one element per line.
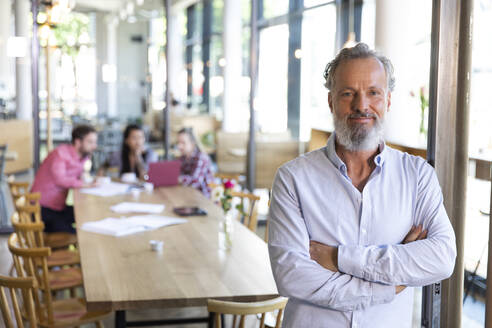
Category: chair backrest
<point>250,211</point>
<point>19,190</point>
<point>30,210</point>
<point>15,287</point>
<point>228,176</point>
<point>243,309</point>
<point>32,262</point>
<point>29,233</point>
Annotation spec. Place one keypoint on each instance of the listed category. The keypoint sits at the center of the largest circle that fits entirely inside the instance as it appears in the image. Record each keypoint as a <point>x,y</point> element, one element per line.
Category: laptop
<point>164,173</point>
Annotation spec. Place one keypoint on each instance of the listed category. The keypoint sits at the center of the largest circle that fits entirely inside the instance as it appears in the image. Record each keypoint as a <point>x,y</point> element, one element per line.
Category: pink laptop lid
<point>164,173</point>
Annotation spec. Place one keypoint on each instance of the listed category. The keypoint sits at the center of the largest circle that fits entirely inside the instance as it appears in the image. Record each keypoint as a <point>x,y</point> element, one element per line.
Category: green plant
<point>424,104</point>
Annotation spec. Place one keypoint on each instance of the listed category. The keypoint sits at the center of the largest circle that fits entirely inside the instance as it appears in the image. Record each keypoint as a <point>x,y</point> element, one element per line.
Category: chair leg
<point>99,324</point>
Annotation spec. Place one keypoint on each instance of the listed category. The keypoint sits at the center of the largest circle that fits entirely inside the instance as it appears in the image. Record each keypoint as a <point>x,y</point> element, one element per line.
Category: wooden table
<point>124,274</point>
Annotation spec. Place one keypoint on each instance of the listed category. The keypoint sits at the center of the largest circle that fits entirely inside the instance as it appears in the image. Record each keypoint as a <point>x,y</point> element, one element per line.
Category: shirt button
<point>363,231</point>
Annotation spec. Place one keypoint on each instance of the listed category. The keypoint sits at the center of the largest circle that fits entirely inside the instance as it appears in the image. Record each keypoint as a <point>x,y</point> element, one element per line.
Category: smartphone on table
<point>189,211</point>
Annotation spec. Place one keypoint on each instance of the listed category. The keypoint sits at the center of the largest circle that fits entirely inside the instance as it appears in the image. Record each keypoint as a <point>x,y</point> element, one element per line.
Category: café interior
<point>246,77</point>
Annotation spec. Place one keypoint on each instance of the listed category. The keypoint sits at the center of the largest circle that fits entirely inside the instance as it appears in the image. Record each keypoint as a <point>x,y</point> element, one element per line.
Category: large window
<point>296,40</point>
<point>204,57</point>
<point>271,101</point>
<point>317,50</point>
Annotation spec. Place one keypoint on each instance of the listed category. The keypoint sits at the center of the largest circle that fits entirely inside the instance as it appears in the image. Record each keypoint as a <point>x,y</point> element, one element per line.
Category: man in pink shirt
<point>59,172</point>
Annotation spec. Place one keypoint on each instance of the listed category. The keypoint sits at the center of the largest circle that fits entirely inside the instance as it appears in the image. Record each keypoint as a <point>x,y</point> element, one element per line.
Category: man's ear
<point>389,101</point>
<point>76,143</point>
<point>330,101</point>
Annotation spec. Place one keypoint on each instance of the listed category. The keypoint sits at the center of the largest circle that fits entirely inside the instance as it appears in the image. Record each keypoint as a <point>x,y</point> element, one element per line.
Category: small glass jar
<point>226,231</point>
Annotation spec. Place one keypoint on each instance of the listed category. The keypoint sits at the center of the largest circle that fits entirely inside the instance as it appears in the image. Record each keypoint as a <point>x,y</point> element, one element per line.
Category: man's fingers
<point>413,234</point>
<point>422,235</point>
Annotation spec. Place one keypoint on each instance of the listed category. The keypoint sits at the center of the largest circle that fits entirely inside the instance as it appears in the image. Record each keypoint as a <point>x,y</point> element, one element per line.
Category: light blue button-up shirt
<point>314,199</point>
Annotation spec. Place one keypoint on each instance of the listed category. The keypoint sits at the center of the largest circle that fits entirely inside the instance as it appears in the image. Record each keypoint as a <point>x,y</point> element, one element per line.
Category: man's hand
<point>91,184</point>
<point>399,289</point>
<point>416,233</point>
<point>326,256</point>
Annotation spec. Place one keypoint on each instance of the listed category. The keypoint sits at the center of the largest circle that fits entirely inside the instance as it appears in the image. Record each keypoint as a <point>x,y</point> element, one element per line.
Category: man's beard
<point>84,153</point>
<point>358,137</point>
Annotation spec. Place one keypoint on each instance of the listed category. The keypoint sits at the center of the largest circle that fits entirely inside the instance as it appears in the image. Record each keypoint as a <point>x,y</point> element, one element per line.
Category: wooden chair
<point>50,313</point>
<point>31,236</point>
<point>16,287</point>
<point>228,176</point>
<point>243,309</point>
<point>18,189</point>
<point>250,212</point>
<point>22,196</point>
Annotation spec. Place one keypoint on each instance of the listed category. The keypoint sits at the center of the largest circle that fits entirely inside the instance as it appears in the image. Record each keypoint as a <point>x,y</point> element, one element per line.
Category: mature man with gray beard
<point>353,225</point>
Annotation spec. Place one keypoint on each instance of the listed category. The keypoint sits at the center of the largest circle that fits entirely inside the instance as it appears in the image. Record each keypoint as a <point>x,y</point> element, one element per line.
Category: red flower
<point>228,184</point>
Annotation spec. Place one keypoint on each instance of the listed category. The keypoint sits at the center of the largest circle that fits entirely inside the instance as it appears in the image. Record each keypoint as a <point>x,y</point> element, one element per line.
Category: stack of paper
<point>126,226</point>
<point>129,207</point>
<point>107,190</point>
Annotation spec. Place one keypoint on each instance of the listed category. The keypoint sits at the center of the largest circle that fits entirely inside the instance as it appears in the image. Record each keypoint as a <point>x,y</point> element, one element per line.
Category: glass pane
<point>368,24</point>
<point>197,77</point>
<point>312,3</point>
<point>271,101</point>
<point>216,76</point>
<point>273,8</point>
<point>479,185</point>
<point>316,52</point>
<point>217,13</point>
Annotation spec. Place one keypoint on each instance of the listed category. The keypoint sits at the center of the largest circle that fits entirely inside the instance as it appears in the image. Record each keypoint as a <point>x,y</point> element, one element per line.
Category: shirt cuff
<point>350,260</point>
<point>382,294</point>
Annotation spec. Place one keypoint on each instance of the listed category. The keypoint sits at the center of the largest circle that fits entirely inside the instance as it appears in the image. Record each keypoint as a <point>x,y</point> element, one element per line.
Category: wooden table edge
<point>171,303</point>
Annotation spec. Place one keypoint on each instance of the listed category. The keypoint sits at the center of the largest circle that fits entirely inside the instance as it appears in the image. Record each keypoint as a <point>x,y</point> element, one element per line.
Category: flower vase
<point>226,231</point>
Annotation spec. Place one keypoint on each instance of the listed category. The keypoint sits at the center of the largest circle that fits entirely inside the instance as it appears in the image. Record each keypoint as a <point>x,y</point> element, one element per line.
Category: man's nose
<point>360,103</point>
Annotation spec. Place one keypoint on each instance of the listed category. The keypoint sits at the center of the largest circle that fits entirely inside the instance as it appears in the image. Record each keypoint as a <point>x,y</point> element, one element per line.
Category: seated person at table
<point>59,172</point>
<point>196,167</point>
<point>134,157</point>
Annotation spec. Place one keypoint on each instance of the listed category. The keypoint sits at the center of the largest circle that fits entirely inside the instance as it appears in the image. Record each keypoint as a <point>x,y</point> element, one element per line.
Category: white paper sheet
<point>107,190</point>
<point>125,226</point>
<point>132,207</point>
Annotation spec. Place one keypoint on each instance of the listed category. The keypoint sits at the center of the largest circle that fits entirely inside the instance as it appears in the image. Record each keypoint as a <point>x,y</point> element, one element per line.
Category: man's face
<point>358,101</point>
<point>86,145</point>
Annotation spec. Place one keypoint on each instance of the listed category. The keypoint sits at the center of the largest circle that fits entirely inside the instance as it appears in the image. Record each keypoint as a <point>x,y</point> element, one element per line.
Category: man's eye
<point>346,94</point>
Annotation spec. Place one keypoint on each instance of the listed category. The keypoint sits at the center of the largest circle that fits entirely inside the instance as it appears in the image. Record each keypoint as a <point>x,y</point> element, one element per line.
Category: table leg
<point>120,319</point>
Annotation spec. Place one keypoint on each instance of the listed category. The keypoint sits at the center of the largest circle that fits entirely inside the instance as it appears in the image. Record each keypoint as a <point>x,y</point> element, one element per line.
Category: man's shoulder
<point>407,161</point>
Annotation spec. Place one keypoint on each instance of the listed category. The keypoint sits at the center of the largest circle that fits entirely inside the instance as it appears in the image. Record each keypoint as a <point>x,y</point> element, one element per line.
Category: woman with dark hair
<point>196,168</point>
<point>134,157</point>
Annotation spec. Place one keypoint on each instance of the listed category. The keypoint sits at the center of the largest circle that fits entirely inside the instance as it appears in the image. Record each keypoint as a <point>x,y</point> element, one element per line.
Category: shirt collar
<point>333,157</point>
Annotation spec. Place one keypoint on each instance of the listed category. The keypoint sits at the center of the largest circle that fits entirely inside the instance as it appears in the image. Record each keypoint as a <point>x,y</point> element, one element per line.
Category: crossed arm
<point>327,256</point>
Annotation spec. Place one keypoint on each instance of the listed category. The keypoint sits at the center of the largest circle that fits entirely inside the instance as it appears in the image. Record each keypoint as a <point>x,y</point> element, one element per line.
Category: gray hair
<point>360,51</point>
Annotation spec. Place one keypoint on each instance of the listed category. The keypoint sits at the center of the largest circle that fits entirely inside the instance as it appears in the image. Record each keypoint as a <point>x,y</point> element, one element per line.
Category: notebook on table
<point>164,173</point>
